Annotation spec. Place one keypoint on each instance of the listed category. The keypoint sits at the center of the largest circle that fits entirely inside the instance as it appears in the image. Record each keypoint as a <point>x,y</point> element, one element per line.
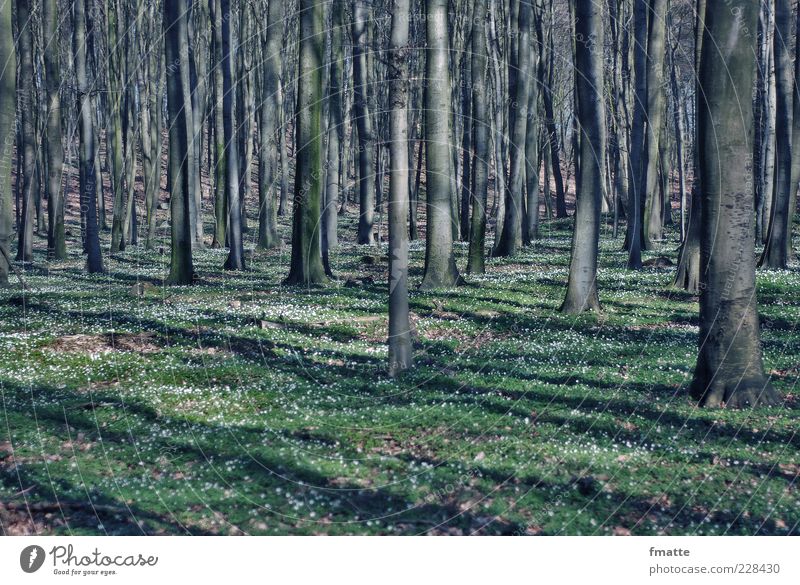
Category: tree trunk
<point>235,260</point>
<point>8,95</point>
<point>582,285</point>
<point>220,150</point>
<point>400,350</point>
<point>56,246</point>
<point>729,369</point>
<point>88,186</point>
<point>688,273</point>
<point>656,47</point>
<point>480,114</point>
<point>511,237</point>
<point>176,38</point>
<point>440,263</point>
<point>306,263</point>
<point>330,210</point>
<point>27,99</point>
<point>775,250</point>
<point>366,143</point>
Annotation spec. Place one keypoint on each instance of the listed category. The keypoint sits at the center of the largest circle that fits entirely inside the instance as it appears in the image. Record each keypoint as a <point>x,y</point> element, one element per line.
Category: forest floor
<point>240,405</point>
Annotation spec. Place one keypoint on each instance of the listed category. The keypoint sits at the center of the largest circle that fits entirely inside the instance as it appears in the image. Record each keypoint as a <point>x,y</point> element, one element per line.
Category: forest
<point>447,267</point>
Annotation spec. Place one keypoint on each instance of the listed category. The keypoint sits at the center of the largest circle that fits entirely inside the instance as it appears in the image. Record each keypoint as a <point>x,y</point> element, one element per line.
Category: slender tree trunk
<point>366,144</point>
<point>440,263</point>
<point>56,246</point>
<point>176,38</point>
<point>582,285</point>
<point>729,369</point>
<point>688,273</point>
<point>220,144</point>
<point>656,48</point>
<point>8,95</point>
<point>400,349</point>
<point>88,184</point>
<point>27,99</point>
<point>775,250</point>
<point>480,123</point>
<point>272,36</point>
<point>114,132</point>
<point>511,236</point>
<point>235,260</point>
<point>306,263</point>
<point>330,209</point>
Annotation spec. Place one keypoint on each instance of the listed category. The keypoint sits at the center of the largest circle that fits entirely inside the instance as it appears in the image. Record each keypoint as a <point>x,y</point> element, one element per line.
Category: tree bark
<point>306,263</point>
<point>176,38</point>
<point>776,247</point>
<point>582,284</point>
<point>440,263</point>
<point>56,246</point>
<point>8,95</point>
<point>88,186</point>
<point>366,143</point>
<point>729,369</point>
<point>400,349</point>
<point>480,124</point>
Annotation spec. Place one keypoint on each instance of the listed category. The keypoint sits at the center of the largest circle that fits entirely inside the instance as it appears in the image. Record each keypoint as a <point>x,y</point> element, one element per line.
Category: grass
<point>243,406</point>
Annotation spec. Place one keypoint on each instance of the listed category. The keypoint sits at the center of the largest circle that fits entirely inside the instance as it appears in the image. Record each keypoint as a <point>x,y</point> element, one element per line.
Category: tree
<point>176,37</point>
<point>582,284</point>
<point>306,263</point>
<point>656,49</point>
<point>688,273</point>
<point>400,349</point>
<point>8,98</point>
<point>633,234</point>
<point>271,36</point>
<point>366,145</point>
<point>776,248</point>
<point>88,185</point>
<point>115,28</point>
<point>511,237</point>
<point>235,260</point>
<point>336,130</point>
<point>729,369</point>
<point>27,111</point>
<point>440,263</point>
<point>56,246</point>
<point>480,122</point>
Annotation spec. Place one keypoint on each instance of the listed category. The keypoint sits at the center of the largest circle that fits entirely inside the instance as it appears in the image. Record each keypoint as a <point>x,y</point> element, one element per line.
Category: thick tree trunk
<point>582,285</point>
<point>306,263</point>
<point>729,369</point>
<point>480,123</point>
<point>400,349</point>
<point>440,263</point>
<point>8,95</point>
